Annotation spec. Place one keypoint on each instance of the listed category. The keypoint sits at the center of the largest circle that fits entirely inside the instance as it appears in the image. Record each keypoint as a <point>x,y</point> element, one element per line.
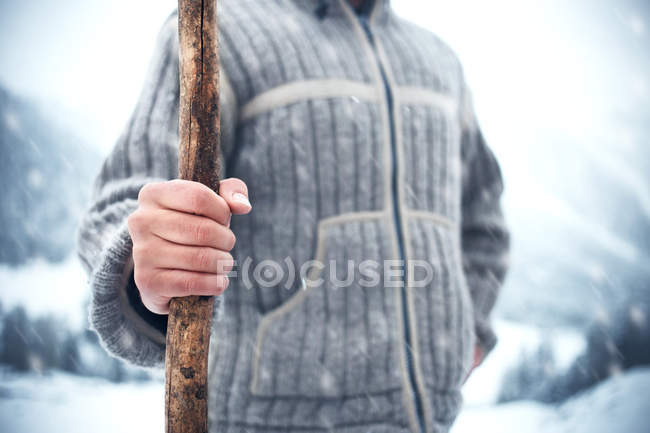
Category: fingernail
<point>241,198</point>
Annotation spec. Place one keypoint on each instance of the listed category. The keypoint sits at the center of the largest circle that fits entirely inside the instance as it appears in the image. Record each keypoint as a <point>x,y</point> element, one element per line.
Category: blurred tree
<point>45,341</point>
<point>528,376</point>
<point>15,346</point>
<point>70,358</point>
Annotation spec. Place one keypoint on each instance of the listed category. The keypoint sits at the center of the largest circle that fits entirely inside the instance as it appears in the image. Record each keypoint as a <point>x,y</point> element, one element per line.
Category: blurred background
<point>562,91</point>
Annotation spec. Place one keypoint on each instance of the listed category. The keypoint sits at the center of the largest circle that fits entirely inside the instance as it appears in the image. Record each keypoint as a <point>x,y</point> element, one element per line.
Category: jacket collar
<point>377,11</point>
<point>371,7</point>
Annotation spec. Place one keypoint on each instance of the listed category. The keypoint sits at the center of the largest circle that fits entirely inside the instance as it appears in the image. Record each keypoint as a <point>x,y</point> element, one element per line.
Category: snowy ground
<point>484,384</point>
<point>46,288</point>
<point>64,403</point>
<point>617,405</point>
<point>70,404</point>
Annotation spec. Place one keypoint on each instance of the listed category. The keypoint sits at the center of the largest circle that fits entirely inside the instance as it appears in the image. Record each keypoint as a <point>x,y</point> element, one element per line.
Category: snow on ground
<point>44,288</point>
<point>618,405</point>
<point>518,417</point>
<point>484,384</point>
<point>70,404</point>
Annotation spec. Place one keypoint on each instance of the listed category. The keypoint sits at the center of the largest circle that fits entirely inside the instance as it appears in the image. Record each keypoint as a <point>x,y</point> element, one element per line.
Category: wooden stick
<point>188,328</point>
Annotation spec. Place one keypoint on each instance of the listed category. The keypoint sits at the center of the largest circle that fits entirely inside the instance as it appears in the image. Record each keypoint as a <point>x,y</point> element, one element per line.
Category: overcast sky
<point>571,62</point>
<point>85,59</point>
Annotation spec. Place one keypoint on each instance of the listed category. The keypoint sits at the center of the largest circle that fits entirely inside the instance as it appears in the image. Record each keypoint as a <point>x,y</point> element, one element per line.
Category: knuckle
<point>202,233</point>
<point>184,226</point>
<point>146,192</point>
<point>143,280</point>
<point>188,284</point>
<point>222,208</point>
<point>134,221</point>
<point>243,186</point>
<point>202,258</point>
<point>199,199</point>
<point>236,182</point>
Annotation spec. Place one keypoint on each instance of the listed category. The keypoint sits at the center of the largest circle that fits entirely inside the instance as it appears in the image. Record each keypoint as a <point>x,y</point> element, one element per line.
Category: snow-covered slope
<point>618,405</point>
<point>62,403</point>
<point>69,404</point>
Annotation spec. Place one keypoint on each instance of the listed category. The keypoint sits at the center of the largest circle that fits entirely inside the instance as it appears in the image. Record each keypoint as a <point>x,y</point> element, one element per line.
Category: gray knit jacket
<point>357,139</point>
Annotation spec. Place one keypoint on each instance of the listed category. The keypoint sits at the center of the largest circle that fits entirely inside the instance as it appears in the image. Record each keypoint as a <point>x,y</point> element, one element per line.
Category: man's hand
<point>182,240</point>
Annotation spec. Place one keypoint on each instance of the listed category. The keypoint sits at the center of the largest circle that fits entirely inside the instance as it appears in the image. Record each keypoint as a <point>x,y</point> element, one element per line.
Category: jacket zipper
<point>363,18</point>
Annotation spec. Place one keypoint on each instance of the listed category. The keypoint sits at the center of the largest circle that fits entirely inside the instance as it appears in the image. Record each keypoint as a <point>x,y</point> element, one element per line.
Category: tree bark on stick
<point>188,328</point>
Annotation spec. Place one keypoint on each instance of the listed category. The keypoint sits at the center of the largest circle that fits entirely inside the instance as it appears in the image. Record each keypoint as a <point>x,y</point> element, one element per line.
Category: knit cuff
<point>122,330</point>
<point>157,321</point>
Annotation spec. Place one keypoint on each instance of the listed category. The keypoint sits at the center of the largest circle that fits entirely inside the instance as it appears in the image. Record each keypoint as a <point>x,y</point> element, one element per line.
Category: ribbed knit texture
<point>318,172</point>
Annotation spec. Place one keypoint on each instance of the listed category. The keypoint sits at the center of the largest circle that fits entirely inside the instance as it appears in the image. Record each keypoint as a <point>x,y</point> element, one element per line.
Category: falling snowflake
<point>637,316</point>
<point>442,342</point>
<point>11,120</point>
<point>35,178</point>
<point>127,340</point>
<point>327,382</point>
<point>602,316</point>
<point>297,125</point>
<point>637,25</point>
<point>597,273</point>
<point>615,369</point>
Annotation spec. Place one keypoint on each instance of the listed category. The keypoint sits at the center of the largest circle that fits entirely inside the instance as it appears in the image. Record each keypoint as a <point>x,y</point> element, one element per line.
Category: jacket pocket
<point>333,337</point>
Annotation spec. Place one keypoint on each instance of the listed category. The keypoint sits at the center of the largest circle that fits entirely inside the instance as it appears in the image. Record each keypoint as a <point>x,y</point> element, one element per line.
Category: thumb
<point>235,193</point>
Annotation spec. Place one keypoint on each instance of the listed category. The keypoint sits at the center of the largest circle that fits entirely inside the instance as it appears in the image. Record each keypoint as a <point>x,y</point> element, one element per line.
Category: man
<point>353,135</point>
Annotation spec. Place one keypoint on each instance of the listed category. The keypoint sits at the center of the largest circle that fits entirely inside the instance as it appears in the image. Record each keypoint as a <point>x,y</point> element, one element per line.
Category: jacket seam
<point>415,95</point>
<point>308,90</point>
<point>408,400</point>
<point>305,90</point>
<point>437,218</point>
<point>421,391</point>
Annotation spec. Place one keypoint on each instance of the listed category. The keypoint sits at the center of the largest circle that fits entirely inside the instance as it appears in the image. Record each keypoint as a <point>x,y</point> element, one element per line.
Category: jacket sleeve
<point>485,235</point>
<point>146,152</point>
